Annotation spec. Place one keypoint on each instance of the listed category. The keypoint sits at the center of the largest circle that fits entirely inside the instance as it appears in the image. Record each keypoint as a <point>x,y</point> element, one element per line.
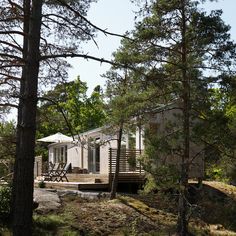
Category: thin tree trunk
<point>182,223</point>
<point>26,128</point>
<point>117,170</point>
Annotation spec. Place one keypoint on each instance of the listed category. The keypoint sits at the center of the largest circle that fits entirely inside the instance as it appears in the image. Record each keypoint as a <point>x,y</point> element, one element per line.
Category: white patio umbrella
<point>56,138</point>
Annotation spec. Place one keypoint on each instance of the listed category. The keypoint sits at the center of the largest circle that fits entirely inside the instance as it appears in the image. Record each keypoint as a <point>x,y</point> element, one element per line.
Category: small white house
<point>89,152</point>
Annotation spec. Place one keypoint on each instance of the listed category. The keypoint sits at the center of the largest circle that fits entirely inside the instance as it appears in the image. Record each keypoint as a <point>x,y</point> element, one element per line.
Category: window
<point>132,141</point>
<point>97,158</point>
<point>94,156</point>
<point>60,154</point>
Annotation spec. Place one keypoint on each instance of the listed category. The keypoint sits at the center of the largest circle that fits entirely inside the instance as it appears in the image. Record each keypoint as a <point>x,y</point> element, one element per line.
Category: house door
<point>94,159</point>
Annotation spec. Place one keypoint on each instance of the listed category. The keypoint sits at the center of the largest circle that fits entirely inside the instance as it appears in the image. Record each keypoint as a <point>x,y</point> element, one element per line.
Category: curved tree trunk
<point>117,170</point>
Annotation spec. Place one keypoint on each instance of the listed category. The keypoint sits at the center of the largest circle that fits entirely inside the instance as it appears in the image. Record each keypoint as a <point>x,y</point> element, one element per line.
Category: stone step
<point>74,185</point>
<point>87,178</point>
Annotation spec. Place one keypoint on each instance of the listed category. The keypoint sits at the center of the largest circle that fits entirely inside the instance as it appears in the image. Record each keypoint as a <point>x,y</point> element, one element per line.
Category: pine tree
<point>178,51</point>
<point>36,37</point>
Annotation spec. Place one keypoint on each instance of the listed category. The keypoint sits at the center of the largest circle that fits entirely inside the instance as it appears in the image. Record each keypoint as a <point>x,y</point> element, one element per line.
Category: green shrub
<point>41,184</point>
<point>5,199</point>
<point>222,171</point>
<point>217,173</point>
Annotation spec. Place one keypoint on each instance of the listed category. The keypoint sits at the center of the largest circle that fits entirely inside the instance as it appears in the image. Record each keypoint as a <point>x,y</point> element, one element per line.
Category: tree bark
<point>182,223</point>
<point>24,164</point>
<point>117,170</point>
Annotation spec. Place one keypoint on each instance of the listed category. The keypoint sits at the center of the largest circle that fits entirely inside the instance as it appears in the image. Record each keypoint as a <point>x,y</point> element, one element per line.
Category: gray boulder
<point>47,200</point>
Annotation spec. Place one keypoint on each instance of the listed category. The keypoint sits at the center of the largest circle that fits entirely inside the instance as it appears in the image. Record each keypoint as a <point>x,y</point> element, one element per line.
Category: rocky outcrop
<point>47,200</point>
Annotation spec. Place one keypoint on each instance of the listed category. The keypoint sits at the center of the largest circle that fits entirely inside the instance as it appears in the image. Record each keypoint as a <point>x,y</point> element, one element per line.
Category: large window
<point>131,141</point>
<point>94,156</point>
<point>60,154</point>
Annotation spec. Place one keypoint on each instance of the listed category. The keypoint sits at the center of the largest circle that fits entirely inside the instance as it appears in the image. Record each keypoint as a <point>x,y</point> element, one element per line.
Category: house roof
<point>89,132</point>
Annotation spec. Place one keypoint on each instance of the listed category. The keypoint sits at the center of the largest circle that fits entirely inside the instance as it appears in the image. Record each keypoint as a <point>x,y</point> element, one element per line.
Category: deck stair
<point>88,178</point>
<point>80,182</point>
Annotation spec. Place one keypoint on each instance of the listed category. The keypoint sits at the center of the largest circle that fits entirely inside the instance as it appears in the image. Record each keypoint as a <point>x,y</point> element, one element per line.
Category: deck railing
<point>129,161</point>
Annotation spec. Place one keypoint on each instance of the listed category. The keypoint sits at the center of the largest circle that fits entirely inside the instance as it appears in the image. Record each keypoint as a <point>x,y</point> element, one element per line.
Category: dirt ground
<point>213,212</point>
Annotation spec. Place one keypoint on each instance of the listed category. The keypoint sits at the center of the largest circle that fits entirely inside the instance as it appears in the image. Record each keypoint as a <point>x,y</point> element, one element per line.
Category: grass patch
<point>163,220</point>
<point>49,222</point>
<point>51,225</point>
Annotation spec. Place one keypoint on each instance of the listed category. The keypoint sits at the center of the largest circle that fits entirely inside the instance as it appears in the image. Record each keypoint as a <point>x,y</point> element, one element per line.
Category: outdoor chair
<point>51,166</point>
<point>48,174</point>
<point>61,174</point>
<point>53,171</point>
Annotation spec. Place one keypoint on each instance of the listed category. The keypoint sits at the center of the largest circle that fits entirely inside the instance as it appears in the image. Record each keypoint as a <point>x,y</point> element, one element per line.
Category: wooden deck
<point>99,182</point>
<point>88,178</point>
<point>131,172</point>
<point>75,185</point>
<point>129,178</point>
<point>80,182</point>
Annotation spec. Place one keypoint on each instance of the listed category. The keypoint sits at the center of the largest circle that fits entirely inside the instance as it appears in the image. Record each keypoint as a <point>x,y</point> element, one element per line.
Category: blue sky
<point>118,16</point>
<point>114,15</point>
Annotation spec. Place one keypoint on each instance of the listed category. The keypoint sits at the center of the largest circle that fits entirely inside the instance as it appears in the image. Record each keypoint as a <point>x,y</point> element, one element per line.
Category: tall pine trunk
<point>117,170</point>
<point>24,164</point>
<point>182,223</point>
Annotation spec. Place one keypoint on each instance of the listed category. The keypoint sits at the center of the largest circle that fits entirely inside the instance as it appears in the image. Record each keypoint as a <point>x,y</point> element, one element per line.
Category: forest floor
<point>213,212</point>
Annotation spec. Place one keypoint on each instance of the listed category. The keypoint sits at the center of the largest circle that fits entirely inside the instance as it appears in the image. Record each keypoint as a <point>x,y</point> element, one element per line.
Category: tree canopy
<point>70,99</point>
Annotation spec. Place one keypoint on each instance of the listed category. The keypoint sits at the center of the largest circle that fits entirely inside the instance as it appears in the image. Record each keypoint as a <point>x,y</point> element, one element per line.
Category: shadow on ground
<point>216,207</point>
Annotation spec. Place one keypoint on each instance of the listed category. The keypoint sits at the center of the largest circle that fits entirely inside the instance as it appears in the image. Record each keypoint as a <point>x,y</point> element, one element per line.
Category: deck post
<point>140,168</point>
<point>110,166</point>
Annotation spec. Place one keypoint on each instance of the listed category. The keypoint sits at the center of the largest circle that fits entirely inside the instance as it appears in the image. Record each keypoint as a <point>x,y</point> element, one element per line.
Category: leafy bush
<point>215,173</point>
<point>41,184</point>
<point>5,198</point>
<point>223,170</point>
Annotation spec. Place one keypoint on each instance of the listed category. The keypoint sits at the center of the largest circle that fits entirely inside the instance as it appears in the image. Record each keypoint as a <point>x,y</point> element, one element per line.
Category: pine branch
<point>13,32</point>
<point>87,57</point>
<point>11,56</point>
<point>68,25</point>
<point>90,23</point>
<point>8,105</point>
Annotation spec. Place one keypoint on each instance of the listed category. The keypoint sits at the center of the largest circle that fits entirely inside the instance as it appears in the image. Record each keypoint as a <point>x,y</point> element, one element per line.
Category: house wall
<point>51,147</point>
<point>50,154</point>
<point>104,150</point>
<point>73,155</point>
<point>139,138</point>
<point>104,159</point>
<point>167,122</point>
<point>85,156</point>
<point>78,154</point>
